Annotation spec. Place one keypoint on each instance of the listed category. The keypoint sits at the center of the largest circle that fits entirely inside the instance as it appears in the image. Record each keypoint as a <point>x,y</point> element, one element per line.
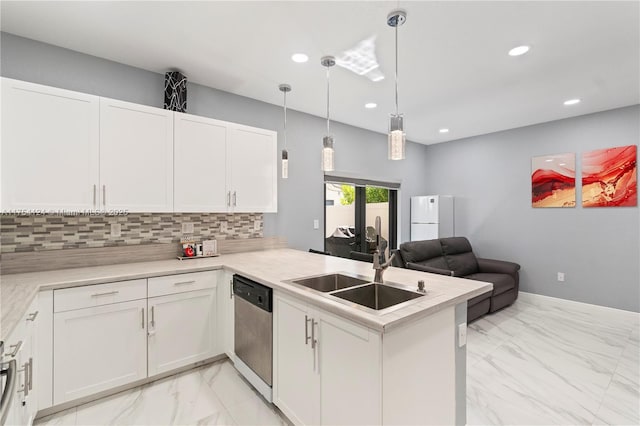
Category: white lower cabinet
<point>98,348</point>
<point>226,314</point>
<point>327,370</point>
<point>182,329</point>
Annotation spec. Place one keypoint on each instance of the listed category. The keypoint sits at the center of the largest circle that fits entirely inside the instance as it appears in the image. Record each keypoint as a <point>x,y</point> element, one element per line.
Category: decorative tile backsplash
<point>51,232</point>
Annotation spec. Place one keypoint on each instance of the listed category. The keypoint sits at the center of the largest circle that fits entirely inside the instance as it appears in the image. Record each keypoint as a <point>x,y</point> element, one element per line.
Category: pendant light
<point>285,88</point>
<point>397,138</point>
<point>327,141</point>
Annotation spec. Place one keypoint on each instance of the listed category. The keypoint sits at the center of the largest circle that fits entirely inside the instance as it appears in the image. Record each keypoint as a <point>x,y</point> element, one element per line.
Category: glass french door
<point>350,214</point>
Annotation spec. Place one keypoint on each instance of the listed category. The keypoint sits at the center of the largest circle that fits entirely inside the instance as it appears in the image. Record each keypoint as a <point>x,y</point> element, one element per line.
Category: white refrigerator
<point>432,217</point>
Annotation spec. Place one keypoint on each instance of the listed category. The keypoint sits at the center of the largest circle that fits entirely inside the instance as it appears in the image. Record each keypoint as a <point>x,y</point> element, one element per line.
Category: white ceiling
<point>454,67</point>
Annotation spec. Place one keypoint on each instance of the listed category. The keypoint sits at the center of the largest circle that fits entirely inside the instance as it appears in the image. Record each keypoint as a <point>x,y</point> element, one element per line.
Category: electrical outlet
<point>187,228</point>
<point>224,227</point>
<point>316,224</point>
<point>116,230</point>
<point>462,335</point>
<point>256,225</point>
<point>561,276</point>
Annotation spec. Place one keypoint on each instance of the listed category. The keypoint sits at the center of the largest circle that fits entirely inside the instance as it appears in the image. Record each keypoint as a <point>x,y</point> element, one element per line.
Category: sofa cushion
<point>426,252</point>
<point>501,282</point>
<point>478,299</point>
<point>459,256</point>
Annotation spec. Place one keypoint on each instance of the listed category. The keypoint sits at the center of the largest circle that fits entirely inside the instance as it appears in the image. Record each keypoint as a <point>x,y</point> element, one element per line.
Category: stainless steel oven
<point>253,333</point>
<point>8,379</point>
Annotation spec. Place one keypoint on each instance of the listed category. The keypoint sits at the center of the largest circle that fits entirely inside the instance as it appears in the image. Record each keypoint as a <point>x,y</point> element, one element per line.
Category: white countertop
<point>270,268</point>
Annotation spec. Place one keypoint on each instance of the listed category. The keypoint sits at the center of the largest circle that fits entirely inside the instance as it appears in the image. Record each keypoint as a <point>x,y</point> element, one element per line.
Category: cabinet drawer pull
<point>104,196</point>
<point>153,317</point>
<point>306,330</point>
<point>235,198</point>
<point>32,316</point>
<point>109,293</point>
<point>142,312</point>
<point>230,289</point>
<point>228,198</point>
<point>16,348</point>
<point>185,282</point>
<point>94,196</point>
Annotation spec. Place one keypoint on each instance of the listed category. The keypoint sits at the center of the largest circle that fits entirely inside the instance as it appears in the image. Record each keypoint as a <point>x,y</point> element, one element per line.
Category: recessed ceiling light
<point>370,105</point>
<point>519,50</point>
<point>444,130</point>
<point>572,102</point>
<point>299,58</point>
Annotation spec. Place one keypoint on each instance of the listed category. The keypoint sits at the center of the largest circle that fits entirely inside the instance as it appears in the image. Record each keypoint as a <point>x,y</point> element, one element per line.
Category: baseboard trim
<point>533,296</point>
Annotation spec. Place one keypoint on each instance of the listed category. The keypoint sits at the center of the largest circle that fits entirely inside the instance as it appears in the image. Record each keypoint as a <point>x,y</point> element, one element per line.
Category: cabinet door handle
<point>185,282</point>
<point>314,342</point>
<point>228,198</point>
<point>104,196</point>
<point>109,293</point>
<point>25,386</point>
<point>31,373</point>
<point>235,198</point>
<point>142,312</point>
<point>32,316</point>
<point>153,317</point>
<point>94,195</point>
<point>230,289</point>
<point>306,329</point>
<point>16,348</point>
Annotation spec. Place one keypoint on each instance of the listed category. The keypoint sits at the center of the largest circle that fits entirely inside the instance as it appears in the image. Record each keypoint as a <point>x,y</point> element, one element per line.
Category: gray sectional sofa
<point>454,257</point>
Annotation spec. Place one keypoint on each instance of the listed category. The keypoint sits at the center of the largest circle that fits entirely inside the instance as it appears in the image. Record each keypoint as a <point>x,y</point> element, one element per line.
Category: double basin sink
<point>362,292</point>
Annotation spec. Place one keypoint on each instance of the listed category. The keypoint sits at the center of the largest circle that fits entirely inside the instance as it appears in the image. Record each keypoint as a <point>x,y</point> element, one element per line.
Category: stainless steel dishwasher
<point>253,333</point>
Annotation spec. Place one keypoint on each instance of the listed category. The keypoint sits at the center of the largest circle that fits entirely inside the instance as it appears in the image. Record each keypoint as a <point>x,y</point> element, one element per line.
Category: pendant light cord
<point>397,68</point>
<point>328,134</point>
<point>285,120</point>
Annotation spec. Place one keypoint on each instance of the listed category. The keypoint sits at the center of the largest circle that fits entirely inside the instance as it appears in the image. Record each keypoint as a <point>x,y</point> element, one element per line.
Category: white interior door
<point>253,169</point>
<point>200,150</point>
<point>182,329</point>
<point>136,157</point>
<point>49,147</point>
<point>98,348</point>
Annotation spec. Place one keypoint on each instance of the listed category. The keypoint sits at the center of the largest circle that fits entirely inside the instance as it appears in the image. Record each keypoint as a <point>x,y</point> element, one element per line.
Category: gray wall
<point>597,248</point>
<point>300,198</point>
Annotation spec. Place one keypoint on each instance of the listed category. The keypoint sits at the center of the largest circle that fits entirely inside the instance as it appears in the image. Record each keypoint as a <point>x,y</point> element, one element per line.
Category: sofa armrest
<point>498,266</point>
<point>424,268</point>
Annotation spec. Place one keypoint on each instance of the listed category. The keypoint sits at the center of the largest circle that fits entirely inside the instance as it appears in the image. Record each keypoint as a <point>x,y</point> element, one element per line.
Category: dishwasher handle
<point>9,390</point>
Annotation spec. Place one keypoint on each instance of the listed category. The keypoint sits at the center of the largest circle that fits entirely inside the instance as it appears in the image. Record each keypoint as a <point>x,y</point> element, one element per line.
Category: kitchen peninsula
<point>396,366</point>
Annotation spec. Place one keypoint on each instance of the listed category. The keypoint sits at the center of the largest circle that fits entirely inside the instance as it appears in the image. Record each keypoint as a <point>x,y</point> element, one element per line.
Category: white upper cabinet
<point>49,147</point>
<point>252,169</point>
<point>200,152</point>
<point>136,157</point>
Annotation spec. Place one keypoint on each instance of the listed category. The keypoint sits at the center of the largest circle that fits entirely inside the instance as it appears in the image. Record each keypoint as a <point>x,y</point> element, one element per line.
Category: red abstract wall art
<point>610,177</point>
<point>553,180</point>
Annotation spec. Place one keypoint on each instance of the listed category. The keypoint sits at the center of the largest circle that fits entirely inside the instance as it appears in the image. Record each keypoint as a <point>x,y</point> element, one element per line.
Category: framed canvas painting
<point>553,180</point>
<point>610,177</point>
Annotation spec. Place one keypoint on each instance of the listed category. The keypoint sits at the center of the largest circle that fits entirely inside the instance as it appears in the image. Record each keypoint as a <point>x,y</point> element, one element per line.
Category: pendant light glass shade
<point>285,164</point>
<point>285,88</point>
<point>328,152</point>
<point>397,138</point>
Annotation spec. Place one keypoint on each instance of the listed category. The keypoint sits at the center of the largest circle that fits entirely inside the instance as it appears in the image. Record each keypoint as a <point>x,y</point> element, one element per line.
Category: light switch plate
<point>462,335</point>
<point>116,230</point>
<point>316,224</point>
<point>224,227</point>
<point>187,228</point>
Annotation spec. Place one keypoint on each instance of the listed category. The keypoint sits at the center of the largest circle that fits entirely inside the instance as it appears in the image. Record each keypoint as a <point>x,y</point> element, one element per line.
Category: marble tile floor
<point>541,361</point>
